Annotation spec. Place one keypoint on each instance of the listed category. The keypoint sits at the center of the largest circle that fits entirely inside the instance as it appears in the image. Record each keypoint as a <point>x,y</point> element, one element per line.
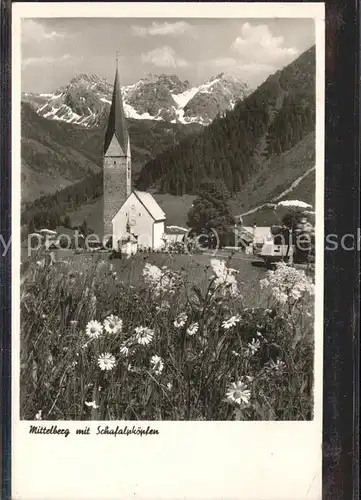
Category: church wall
<point>141,223</point>
<point>158,232</point>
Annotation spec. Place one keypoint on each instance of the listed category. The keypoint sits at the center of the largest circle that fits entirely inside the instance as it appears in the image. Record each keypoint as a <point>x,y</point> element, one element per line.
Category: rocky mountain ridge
<point>86,99</point>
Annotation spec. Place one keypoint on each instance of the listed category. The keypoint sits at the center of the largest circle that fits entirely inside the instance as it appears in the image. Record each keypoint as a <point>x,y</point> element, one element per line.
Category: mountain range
<point>262,145</point>
<point>86,99</point>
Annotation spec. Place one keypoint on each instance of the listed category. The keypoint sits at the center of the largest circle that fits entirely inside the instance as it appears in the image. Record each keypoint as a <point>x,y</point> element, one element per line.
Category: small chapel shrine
<point>127,214</point>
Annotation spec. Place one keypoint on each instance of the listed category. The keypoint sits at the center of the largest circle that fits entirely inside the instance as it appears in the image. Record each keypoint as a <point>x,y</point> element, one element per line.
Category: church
<point>128,215</point>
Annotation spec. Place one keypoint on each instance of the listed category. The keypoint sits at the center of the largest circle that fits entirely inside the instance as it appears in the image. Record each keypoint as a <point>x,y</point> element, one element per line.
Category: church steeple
<point>117,125</point>
<point>117,162</point>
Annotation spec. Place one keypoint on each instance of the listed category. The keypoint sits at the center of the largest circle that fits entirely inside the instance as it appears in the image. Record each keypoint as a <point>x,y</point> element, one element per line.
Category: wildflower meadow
<point>96,344</point>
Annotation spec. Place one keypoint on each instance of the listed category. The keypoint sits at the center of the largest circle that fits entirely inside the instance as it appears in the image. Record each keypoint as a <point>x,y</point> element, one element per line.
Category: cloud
<point>164,57</point>
<point>43,60</point>
<point>222,62</point>
<point>162,29</point>
<point>256,44</point>
<point>248,67</point>
<point>34,31</point>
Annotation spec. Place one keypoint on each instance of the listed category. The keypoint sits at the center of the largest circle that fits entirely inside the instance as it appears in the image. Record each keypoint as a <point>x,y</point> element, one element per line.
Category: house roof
<point>61,230</point>
<point>244,235</point>
<point>151,205</point>
<point>175,230</point>
<point>117,124</point>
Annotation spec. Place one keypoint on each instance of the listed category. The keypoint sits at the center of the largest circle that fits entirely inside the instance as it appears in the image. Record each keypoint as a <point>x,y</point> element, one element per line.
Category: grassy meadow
<point>165,337</point>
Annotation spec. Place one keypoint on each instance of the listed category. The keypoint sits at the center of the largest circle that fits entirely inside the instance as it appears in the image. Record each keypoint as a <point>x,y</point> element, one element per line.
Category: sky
<point>55,50</point>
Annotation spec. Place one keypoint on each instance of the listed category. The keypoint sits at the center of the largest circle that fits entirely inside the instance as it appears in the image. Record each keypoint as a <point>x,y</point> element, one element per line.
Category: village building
<point>175,234</point>
<point>127,214</point>
<point>258,235</point>
<point>128,243</point>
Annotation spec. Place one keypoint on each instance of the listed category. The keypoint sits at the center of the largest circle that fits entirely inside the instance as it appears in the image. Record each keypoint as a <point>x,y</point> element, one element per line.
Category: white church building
<point>145,219</point>
<point>127,214</point>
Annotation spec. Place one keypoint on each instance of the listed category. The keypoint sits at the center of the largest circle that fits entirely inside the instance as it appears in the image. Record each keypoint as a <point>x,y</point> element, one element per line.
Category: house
<point>145,218</point>
<point>175,234</point>
<point>260,234</point>
<point>243,238</point>
<point>69,238</point>
<point>121,204</point>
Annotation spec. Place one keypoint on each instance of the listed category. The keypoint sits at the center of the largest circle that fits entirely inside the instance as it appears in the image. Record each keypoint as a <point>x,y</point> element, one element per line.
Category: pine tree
<point>67,221</point>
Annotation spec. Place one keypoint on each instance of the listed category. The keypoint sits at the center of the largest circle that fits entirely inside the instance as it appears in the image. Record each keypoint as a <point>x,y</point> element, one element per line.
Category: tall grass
<point>203,339</point>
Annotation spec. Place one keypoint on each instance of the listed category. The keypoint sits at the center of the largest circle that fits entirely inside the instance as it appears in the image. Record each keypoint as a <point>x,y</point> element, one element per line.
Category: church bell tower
<point>117,182</point>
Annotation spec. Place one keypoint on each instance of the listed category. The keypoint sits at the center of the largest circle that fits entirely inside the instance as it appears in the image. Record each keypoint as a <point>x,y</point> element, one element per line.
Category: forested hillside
<point>272,120</point>
<point>49,211</point>
<point>55,154</point>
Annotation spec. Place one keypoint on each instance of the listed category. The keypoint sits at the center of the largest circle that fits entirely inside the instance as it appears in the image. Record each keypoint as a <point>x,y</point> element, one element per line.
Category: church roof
<point>117,124</point>
<point>150,204</point>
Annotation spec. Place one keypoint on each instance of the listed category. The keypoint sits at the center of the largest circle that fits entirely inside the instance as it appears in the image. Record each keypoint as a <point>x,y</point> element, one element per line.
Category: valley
<point>262,148</point>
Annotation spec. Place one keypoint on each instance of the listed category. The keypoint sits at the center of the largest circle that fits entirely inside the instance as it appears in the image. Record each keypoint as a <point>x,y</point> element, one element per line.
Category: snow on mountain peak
<point>86,99</point>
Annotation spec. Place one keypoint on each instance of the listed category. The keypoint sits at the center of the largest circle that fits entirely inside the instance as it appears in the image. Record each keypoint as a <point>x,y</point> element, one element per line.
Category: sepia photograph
<point>168,215</point>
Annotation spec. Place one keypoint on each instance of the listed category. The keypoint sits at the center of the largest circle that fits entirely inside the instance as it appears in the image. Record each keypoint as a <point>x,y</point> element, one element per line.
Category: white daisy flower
<point>94,329</point>
<point>229,323</point>
<point>169,386</point>
<point>124,350</point>
<point>279,365</point>
<point>73,322</point>
<point>38,415</point>
<point>238,392</point>
<point>113,324</point>
<point>157,364</point>
<point>144,335</point>
<point>193,329</point>
<point>180,321</point>
<point>253,346</point>
<point>92,404</point>
<point>106,361</point>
